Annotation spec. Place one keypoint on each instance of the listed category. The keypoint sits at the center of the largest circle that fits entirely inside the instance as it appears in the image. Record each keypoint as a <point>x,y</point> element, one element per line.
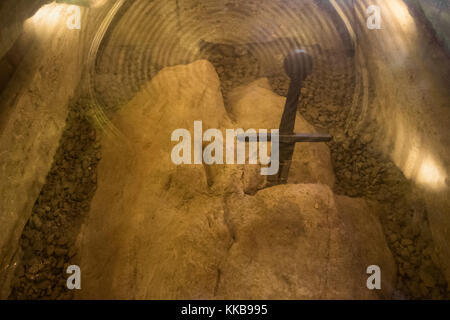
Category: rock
<point>272,240</point>
<point>339,137</point>
<point>25,242</point>
<point>241,51</point>
<point>367,138</point>
<point>393,237</point>
<point>192,232</point>
<point>72,252</point>
<point>414,289</point>
<point>33,269</point>
<point>50,237</point>
<point>410,272</point>
<point>427,278</point>
<point>424,290</point>
<point>27,254</point>
<point>37,221</point>
<point>332,108</point>
<point>20,271</point>
<point>44,285</point>
<point>61,241</point>
<point>226,50</point>
<point>38,245</point>
<point>436,294</point>
<point>50,250</point>
<point>406,242</point>
<point>60,252</point>
<point>55,201</point>
<point>60,263</point>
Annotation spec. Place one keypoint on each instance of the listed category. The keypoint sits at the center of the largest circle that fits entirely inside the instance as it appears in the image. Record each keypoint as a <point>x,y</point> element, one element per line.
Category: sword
<point>298,65</point>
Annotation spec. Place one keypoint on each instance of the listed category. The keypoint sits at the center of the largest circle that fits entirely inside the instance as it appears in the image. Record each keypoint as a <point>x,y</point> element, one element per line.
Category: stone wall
<point>438,14</point>
<point>410,104</point>
<point>33,109</point>
<point>13,14</point>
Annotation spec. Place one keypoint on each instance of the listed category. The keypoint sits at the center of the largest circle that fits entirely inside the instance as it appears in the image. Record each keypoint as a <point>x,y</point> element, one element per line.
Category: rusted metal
<point>298,65</point>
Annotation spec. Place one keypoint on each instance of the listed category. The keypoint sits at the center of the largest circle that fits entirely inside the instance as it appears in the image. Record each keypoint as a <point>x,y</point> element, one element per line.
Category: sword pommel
<point>298,64</point>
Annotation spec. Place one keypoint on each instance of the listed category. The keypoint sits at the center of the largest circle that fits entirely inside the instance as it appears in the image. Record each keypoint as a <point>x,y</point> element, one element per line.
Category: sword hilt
<point>286,138</point>
<point>298,65</point>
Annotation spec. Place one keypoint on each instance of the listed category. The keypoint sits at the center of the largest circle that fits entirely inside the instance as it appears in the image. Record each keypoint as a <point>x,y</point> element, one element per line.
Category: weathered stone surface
<point>176,196</point>
<point>192,232</point>
<point>13,13</point>
<point>300,242</point>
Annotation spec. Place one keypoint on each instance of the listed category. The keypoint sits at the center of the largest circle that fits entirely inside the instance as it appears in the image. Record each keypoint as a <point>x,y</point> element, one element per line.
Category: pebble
<point>406,242</point>
<point>367,138</point>
<point>50,250</point>
<point>37,222</point>
<point>427,278</point>
<point>60,252</point>
<point>241,51</point>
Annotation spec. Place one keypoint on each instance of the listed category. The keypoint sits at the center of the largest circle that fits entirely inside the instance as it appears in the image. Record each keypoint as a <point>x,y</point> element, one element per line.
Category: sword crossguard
<point>298,65</point>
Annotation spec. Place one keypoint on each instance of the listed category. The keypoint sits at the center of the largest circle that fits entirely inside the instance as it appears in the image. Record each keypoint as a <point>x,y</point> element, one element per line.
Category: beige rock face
<point>300,242</point>
<point>160,231</point>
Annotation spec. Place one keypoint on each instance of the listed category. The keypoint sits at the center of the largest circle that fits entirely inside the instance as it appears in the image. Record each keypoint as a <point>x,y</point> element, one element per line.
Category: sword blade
<point>287,123</point>
<point>298,65</point>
